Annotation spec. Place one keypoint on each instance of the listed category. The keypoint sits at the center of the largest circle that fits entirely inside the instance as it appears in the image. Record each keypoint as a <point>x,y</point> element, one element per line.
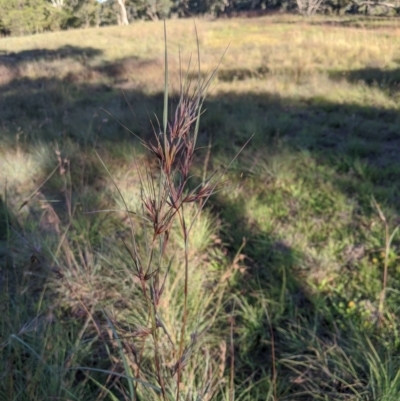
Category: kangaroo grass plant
<point>167,199</point>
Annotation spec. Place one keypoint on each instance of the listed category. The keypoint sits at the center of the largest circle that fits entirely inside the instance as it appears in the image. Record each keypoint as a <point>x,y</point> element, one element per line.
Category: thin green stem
<point>185,301</point>
<point>152,306</point>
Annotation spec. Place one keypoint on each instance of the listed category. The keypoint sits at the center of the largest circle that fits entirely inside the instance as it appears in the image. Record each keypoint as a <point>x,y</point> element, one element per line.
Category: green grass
<point>291,248</point>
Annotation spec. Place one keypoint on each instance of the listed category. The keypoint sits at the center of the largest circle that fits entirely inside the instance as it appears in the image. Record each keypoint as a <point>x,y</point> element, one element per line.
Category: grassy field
<point>293,264</point>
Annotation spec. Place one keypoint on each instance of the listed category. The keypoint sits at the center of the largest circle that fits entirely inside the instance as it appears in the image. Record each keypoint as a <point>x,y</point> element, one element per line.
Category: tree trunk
<point>123,14</point>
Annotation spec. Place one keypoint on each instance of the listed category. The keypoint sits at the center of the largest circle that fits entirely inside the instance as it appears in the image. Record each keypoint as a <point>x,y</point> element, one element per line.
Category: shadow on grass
<point>387,80</point>
<point>369,23</point>
<point>262,336</point>
<point>359,144</point>
<point>353,22</point>
<point>62,53</point>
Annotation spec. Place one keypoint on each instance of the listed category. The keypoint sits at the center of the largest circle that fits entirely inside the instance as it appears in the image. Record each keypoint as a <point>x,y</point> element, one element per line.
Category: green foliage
<point>148,9</point>
<point>81,13</point>
<point>22,17</point>
<point>26,16</point>
<point>35,16</point>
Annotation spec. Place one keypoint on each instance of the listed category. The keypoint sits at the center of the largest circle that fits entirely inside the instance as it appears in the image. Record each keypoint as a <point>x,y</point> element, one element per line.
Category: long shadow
<point>271,274</point>
<point>338,136</point>
<point>387,80</point>
<point>371,23</point>
<point>61,53</point>
<point>353,22</point>
<point>360,143</point>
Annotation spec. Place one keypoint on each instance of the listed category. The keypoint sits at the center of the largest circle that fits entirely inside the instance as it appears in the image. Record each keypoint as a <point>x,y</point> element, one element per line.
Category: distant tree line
<point>21,17</point>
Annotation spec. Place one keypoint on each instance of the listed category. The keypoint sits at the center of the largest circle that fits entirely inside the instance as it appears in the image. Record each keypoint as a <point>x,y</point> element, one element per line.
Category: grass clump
<point>165,200</point>
<point>145,317</point>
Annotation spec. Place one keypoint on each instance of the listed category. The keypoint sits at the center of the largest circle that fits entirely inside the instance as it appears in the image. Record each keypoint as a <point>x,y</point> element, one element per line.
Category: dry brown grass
<point>279,44</point>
